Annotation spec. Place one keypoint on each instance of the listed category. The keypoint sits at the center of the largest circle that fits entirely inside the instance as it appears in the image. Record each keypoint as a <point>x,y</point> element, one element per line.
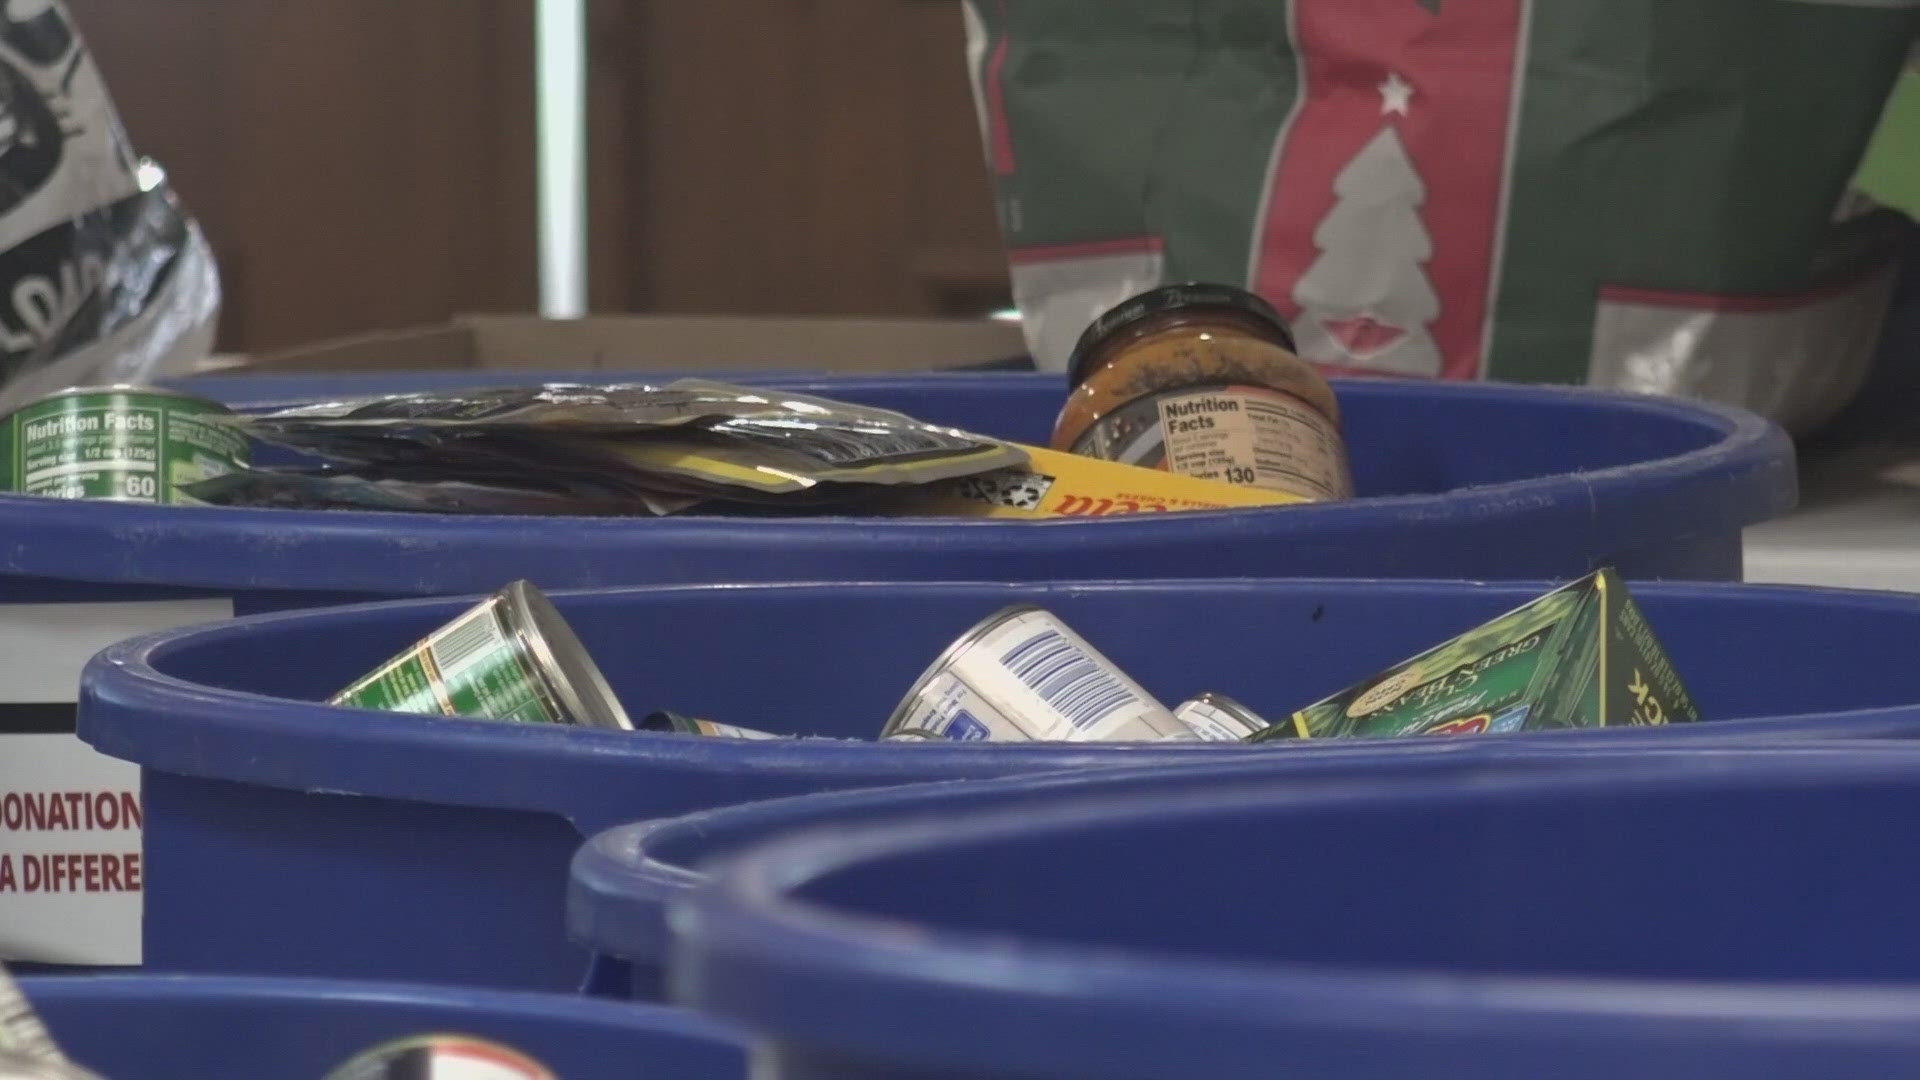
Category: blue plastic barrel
<point>150,1027</point>
<point>1736,915</point>
<point>625,881</point>
<point>375,831</point>
<point>1468,481</point>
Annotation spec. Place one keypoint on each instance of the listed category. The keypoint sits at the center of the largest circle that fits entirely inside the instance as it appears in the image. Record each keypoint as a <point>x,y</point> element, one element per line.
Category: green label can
<point>509,657</point>
<point>126,443</point>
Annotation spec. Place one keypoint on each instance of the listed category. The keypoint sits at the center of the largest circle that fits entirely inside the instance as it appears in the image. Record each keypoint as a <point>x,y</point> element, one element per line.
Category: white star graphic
<point>1396,95</point>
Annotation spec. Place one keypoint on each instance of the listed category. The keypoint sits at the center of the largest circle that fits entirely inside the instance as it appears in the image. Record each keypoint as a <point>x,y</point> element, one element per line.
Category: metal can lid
<point>667,720</point>
<point>1166,298</point>
<point>947,655</point>
<point>207,404</point>
<point>567,668</point>
<point>1225,704</point>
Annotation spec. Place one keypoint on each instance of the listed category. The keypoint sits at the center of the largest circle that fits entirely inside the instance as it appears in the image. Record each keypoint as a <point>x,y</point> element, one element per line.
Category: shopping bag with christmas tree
<point>1648,194</point>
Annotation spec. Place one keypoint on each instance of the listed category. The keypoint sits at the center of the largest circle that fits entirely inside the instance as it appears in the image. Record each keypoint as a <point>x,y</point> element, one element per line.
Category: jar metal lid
<point>1169,298</point>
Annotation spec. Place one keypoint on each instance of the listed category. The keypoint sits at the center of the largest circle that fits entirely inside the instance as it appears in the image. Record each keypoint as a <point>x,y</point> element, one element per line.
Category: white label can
<point>1023,675</point>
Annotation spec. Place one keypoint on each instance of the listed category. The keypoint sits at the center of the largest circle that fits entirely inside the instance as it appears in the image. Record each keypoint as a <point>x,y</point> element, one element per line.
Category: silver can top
<point>566,667</point>
<point>940,663</point>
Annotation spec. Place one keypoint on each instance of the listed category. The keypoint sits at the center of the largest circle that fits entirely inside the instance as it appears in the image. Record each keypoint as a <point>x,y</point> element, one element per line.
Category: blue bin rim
<point>218,547</point>
<point>620,889</point>
<point>214,990</point>
<point>131,709</point>
<point>747,950</point>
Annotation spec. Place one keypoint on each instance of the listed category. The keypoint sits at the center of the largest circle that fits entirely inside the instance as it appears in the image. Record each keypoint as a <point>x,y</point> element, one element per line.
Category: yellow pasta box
<point>1055,484</point>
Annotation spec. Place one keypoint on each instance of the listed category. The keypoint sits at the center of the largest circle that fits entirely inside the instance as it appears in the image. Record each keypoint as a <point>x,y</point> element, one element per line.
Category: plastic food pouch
<point>695,435</point>
<point>804,461</point>
<point>103,277</point>
<point>311,490</point>
<point>1642,194</point>
<point>621,408</point>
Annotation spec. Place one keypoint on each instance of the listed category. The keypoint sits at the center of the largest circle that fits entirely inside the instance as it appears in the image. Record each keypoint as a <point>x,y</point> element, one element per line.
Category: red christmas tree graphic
<point>1380,230</point>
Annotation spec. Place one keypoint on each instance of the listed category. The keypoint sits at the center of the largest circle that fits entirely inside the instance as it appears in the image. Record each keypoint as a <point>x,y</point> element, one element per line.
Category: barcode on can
<point>460,644</point>
<point>1072,683</point>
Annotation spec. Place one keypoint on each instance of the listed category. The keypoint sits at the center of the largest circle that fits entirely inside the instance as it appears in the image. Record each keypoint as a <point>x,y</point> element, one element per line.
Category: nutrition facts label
<point>1255,437</point>
<point>117,451</point>
<point>92,453</point>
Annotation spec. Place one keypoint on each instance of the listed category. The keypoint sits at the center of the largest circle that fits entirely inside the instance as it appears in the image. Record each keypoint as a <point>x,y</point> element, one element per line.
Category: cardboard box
<point>661,343</point>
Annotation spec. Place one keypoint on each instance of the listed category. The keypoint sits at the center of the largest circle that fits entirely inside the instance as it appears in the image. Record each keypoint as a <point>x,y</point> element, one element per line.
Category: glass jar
<point>1202,380</point>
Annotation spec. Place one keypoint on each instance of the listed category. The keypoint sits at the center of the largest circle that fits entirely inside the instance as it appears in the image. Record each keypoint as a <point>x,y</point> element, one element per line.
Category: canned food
<point>509,657</point>
<point>441,1057</point>
<point>1022,674</point>
<point>125,443</point>
<point>1218,718</point>
<point>691,725</point>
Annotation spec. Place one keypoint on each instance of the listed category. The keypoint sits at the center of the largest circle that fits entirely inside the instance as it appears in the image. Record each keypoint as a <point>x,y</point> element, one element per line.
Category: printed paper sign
<point>71,869</point>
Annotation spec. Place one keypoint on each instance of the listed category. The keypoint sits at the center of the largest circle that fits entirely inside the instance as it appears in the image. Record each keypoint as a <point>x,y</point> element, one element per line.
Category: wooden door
<point>366,164</point>
<point>789,156</point>
<point>356,163</point>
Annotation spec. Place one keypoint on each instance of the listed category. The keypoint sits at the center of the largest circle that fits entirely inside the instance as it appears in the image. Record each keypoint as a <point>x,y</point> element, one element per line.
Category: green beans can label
<point>123,444</point>
<point>473,666</point>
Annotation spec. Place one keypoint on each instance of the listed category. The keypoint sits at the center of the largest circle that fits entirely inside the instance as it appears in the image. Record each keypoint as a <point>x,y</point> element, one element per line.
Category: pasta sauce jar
<point>1202,380</point>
